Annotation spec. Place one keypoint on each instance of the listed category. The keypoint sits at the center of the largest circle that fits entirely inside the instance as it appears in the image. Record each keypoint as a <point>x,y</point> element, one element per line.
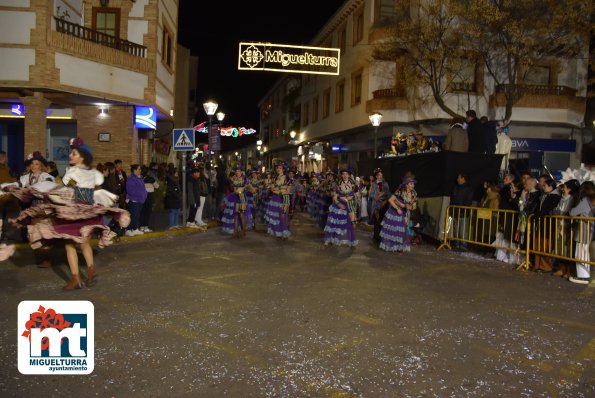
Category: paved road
<point>201,314</point>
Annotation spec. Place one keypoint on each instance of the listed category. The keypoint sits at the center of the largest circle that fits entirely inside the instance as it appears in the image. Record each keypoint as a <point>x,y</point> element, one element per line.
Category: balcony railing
<point>522,89</point>
<point>388,93</point>
<point>81,32</point>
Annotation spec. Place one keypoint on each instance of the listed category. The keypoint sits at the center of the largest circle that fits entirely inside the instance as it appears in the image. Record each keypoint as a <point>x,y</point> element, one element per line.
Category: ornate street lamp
<point>375,119</point>
<point>210,108</point>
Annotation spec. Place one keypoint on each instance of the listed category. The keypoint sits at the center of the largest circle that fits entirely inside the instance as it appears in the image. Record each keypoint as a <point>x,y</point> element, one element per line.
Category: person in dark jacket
<point>462,195</point>
<point>193,194</point>
<point>173,197</point>
<point>136,194</point>
<point>474,133</point>
<point>489,134</point>
<point>542,231</point>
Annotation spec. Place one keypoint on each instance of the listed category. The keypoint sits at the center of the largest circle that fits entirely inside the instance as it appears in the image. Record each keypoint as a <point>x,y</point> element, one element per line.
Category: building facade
<point>103,70</point>
<point>330,114</point>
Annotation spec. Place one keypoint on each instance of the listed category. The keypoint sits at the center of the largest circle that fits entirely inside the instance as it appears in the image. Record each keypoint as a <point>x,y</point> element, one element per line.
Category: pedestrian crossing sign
<point>183,139</point>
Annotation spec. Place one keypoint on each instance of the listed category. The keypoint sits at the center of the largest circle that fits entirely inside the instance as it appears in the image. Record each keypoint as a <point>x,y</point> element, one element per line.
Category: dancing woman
<point>277,213</point>
<point>393,233</point>
<point>237,215</point>
<point>341,221</point>
<point>71,213</point>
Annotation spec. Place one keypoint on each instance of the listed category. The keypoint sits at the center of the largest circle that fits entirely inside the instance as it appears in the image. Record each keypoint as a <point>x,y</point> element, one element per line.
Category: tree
<point>437,39</point>
<point>512,36</point>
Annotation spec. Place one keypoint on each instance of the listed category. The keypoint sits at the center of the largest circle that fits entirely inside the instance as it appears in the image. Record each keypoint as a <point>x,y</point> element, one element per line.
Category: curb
<point>155,234</point>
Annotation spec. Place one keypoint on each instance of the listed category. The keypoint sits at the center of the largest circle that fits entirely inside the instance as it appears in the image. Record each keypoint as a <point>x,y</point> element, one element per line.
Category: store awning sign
<point>288,58</point>
<point>145,117</point>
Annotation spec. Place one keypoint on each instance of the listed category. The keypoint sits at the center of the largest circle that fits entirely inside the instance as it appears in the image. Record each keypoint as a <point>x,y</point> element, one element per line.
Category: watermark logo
<point>56,337</point>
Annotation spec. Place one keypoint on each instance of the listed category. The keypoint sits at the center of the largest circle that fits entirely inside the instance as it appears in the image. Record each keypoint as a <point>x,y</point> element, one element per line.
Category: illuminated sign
<point>286,58</point>
<point>17,109</point>
<point>226,131</point>
<point>145,117</point>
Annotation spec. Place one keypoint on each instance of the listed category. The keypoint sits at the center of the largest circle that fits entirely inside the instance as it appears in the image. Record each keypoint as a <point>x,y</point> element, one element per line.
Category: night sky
<point>213,30</point>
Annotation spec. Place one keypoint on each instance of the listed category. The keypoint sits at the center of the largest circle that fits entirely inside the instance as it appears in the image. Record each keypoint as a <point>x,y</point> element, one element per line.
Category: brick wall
<point>119,123</point>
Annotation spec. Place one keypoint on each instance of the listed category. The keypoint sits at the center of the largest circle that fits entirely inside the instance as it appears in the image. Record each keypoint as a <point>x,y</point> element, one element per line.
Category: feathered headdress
<point>78,144</point>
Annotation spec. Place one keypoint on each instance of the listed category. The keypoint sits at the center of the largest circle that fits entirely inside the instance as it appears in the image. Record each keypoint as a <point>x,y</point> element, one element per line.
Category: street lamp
<point>292,134</point>
<point>210,109</point>
<point>220,117</point>
<point>375,119</point>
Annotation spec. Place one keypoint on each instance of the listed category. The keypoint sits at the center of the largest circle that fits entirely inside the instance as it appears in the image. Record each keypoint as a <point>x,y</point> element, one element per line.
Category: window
<point>385,12</point>
<point>340,96</point>
<point>358,26</point>
<point>464,76</point>
<point>326,103</point>
<point>538,75</point>
<point>107,20</point>
<point>314,109</point>
<point>306,114</point>
<point>342,39</point>
<point>356,88</point>
<point>166,47</point>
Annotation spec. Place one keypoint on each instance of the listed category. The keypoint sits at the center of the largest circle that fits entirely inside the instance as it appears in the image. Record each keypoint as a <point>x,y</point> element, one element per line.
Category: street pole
<point>208,157</point>
<point>184,189</point>
<point>375,141</point>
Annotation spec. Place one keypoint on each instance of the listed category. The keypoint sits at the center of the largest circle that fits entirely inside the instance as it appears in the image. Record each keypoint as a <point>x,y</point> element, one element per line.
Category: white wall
<point>15,3</point>
<point>77,72</point>
<point>136,30</point>
<point>138,8</point>
<point>15,27</point>
<point>15,62</point>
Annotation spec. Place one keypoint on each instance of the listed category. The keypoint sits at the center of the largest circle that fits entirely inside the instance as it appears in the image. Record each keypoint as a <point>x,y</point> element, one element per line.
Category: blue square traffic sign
<point>183,140</point>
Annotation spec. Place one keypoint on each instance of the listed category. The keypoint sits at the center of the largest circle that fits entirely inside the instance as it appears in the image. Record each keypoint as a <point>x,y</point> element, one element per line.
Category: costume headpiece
<point>78,144</point>
<point>35,156</point>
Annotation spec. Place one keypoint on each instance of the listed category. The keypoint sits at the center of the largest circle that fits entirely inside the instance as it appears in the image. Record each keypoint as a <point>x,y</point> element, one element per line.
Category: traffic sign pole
<point>184,189</point>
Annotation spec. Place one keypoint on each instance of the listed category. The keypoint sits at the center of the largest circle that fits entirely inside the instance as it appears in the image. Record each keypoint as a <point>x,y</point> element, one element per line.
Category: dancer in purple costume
<point>277,213</point>
<point>393,234</point>
<point>340,224</point>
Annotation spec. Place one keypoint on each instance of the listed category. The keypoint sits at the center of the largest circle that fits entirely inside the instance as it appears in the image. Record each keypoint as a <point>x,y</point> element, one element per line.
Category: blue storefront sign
<point>531,144</point>
<point>542,145</point>
<point>145,117</point>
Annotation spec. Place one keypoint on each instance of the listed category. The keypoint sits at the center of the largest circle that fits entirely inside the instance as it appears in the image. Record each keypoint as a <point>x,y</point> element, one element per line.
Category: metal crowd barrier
<point>525,238</point>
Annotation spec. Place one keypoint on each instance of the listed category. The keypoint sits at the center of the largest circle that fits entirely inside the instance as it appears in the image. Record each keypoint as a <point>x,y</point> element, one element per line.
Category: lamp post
<point>375,119</point>
<point>210,108</point>
<point>220,117</point>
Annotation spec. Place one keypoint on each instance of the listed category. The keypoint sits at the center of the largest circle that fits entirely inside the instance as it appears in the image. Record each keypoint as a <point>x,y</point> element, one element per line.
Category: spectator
<point>584,230</point>
<point>5,200</point>
<point>474,133</point>
<point>567,190</point>
<point>173,197</point>
<point>120,182</point>
<point>462,195</point>
<point>489,134</point>
<point>151,183</point>
<point>222,187</point>
<point>542,239</point>
<point>193,197</point>
<point>456,138</point>
<point>136,195</point>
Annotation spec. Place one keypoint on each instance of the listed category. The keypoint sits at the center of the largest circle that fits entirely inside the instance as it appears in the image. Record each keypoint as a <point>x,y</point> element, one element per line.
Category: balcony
<point>81,32</point>
<point>389,98</point>
<point>539,96</point>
